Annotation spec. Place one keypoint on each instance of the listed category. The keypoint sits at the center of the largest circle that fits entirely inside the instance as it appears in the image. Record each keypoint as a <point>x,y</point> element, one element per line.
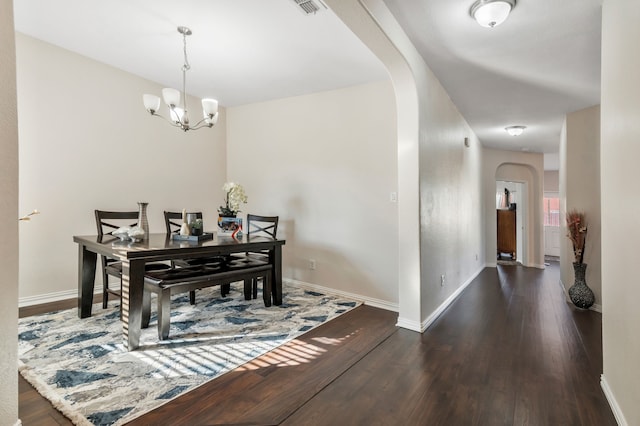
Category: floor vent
<point>310,7</point>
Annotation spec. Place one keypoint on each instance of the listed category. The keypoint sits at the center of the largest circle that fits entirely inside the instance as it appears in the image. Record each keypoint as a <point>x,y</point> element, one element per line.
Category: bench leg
<point>164,313</point>
<point>146,308</point>
<point>266,289</point>
<point>192,297</point>
<point>247,288</point>
<point>105,286</point>
<point>255,287</point>
<point>225,289</point>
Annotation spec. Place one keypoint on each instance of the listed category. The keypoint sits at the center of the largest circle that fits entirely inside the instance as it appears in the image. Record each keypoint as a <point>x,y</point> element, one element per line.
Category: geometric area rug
<point>83,368</point>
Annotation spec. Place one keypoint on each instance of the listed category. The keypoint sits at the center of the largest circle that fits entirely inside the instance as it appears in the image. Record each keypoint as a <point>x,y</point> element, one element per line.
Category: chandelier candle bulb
<point>212,121</point>
<point>209,107</point>
<point>171,97</point>
<point>151,103</point>
<point>177,115</point>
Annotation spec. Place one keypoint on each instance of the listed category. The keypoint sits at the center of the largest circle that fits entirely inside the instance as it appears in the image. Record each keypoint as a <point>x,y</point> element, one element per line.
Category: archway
<point>532,230</point>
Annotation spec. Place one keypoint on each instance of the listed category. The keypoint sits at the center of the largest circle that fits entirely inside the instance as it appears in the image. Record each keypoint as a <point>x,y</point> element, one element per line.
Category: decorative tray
<point>205,236</point>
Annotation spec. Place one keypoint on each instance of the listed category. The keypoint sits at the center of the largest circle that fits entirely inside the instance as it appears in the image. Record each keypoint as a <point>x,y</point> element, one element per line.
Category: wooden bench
<point>180,280</point>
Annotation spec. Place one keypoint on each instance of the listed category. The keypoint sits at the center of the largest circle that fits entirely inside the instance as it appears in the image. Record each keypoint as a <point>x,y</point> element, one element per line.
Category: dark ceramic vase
<point>580,293</point>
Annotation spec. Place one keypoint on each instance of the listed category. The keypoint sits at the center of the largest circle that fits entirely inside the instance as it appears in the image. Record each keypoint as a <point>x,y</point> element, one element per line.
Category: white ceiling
<point>543,62</point>
<point>540,64</point>
<point>241,51</point>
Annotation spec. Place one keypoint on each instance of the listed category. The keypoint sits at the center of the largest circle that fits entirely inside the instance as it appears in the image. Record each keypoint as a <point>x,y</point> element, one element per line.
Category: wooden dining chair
<point>107,222</point>
<point>262,225</point>
<point>266,226</point>
<point>173,220</point>
<point>173,223</point>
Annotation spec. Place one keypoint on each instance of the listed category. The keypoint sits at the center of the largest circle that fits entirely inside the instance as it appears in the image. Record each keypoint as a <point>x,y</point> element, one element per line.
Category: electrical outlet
<point>393,197</point>
<point>312,264</point>
<point>442,280</point>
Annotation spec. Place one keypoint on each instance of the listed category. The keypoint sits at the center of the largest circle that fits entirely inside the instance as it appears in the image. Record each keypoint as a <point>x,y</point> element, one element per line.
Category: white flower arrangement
<point>234,197</point>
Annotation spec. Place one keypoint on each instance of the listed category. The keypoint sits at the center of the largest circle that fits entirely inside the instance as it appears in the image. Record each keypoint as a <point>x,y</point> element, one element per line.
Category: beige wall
<point>437,176</point>
<point>620,173</point>
<point>580,190</point>
<point>451,218</point>
<point>551,181</point>
<point>360,20</point>
<point>8,220</point>
<point>86,142</point>
<point>325,164</point>
<point>521,167</point>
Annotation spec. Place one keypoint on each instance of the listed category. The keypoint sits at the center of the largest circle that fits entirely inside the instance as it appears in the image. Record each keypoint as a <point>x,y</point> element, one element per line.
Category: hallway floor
<point>508,351</point>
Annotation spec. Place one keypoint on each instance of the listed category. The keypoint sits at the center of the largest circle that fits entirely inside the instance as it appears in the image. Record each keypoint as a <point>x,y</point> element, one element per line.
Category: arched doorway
<point>511,207</point>
<point>530,209</point>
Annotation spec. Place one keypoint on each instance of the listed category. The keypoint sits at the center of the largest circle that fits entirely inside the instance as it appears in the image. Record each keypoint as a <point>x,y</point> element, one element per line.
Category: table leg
<point>132,292</point>
<point>276,282</point>
<point>86,280</point>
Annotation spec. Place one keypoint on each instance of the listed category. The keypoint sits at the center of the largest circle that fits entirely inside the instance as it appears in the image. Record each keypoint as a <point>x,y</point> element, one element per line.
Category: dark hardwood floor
<point>508,351</point>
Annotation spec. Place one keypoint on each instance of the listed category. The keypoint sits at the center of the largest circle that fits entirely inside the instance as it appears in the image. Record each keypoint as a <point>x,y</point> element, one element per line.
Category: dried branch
<point>577,233</point>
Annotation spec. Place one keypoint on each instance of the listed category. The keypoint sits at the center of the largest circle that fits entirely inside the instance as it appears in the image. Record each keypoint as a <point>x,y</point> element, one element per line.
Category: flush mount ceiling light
<point>178,115</point>
<point>491,13</point>
<point>515,130</point>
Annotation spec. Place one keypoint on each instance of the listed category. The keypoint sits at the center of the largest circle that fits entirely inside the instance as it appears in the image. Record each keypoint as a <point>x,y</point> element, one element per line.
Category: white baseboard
<point>444,305</point>
<point>561,284</point>
<point>409,325</point>
<point>53,297</point>
<point>46,298</point>
<point>402,322</point>
<point>18,423</point>
<point>617,412</point>
<point>376,303</point>
<point>72,294</point>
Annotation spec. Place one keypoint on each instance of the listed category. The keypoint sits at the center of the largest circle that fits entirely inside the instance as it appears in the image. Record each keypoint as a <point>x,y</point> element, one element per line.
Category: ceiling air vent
<point>310,7</point>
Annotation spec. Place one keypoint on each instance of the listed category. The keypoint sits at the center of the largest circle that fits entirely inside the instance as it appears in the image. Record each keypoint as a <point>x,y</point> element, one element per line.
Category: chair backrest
<point>107,221</point>
<point>173,220</point>
<point>262,225</point>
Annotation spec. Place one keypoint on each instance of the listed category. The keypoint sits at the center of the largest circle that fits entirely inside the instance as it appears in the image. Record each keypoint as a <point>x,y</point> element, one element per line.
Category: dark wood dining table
<point>158,247</point>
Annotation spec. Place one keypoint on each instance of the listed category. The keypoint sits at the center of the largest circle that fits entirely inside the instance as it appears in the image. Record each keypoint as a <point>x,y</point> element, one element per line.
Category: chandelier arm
<point>172,123</point>
<point>200,127</point>
<point>201,124</point>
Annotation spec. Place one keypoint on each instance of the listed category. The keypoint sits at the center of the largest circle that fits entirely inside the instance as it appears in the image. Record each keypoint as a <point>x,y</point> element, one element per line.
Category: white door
<point>551,224</point>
